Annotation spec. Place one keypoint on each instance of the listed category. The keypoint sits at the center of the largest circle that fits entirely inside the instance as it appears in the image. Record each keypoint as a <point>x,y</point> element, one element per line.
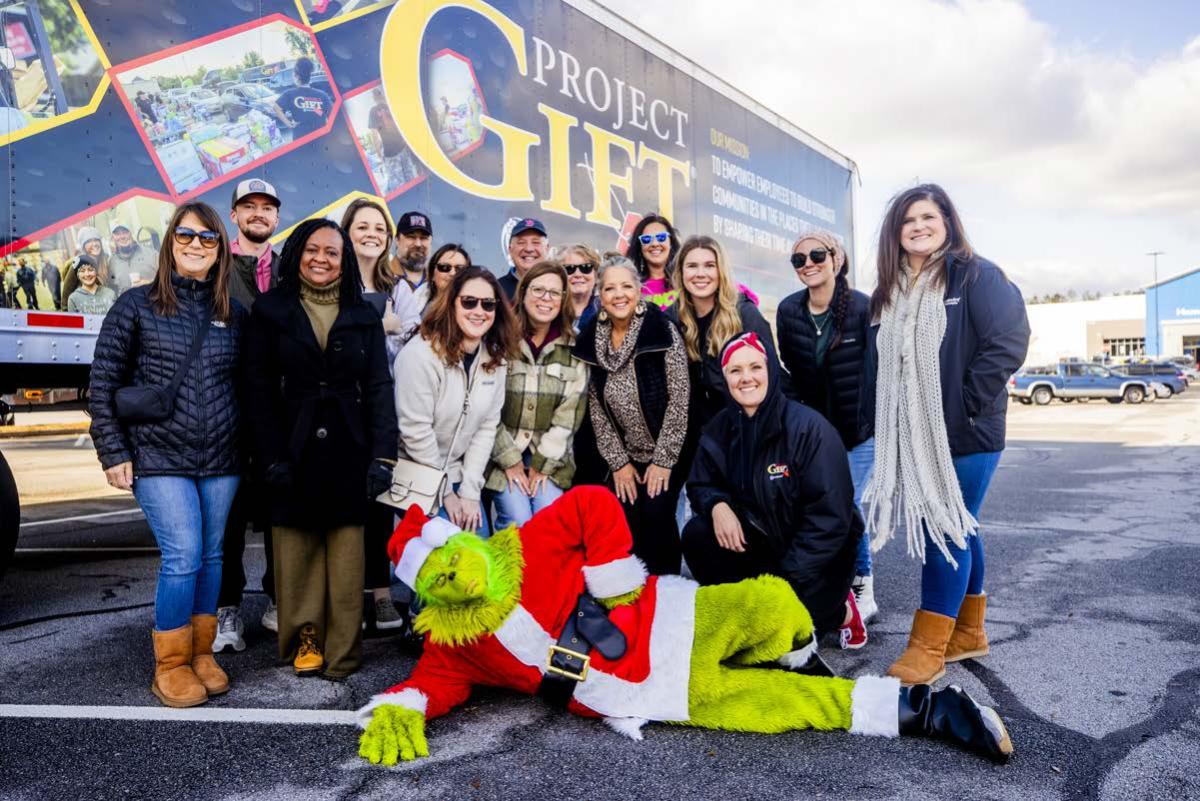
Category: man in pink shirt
<point>255,212</point>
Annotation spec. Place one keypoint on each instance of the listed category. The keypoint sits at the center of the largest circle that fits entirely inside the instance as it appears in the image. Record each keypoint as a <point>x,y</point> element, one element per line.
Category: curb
<point>44,430</point>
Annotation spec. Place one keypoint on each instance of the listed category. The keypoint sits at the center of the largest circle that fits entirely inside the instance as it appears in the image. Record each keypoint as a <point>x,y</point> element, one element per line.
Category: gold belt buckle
<point>552,668</point>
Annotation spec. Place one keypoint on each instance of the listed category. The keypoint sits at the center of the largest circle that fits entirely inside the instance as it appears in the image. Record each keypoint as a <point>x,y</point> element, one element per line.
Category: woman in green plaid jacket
<point>544,402</point>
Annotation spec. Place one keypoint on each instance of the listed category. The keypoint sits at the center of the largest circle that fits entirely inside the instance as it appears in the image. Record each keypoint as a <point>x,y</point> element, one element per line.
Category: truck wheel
<point>1025,401</point>
<point>1066,400</point>
<point>10,515</point>
<point>1167,392</point>
<point>1134,394</point>
<point>1042,396</point>
<point>1113,400</point>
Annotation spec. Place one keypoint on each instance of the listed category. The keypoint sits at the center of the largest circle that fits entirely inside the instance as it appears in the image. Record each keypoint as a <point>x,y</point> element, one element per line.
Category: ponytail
<point>841,302</point>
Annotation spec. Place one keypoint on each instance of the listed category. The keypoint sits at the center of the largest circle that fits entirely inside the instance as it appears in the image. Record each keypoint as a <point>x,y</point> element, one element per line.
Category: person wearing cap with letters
<point>527,245</point>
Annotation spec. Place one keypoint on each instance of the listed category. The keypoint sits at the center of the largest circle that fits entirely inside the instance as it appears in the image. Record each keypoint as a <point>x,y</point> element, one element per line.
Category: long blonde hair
<point>727,321</point>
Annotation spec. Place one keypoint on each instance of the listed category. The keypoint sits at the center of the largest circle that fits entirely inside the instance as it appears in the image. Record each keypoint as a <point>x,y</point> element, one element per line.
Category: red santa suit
<point>580,541</point>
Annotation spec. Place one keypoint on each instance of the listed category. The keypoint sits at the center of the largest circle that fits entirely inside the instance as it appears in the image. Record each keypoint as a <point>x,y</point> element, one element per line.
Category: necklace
<point>818,325</point>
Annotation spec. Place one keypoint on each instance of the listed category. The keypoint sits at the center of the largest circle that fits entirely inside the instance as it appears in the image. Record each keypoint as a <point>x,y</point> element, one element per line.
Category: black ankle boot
<point>955,717</point>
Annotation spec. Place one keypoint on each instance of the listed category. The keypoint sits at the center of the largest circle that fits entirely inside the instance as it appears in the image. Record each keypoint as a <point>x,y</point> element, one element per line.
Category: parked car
<point>1071,381</point>
<point>1164,372</point>
<point>241,98</point>
<point>223,86</point>
<point>1188,365</point>
<point>286,78</point>
<point>205,99</point>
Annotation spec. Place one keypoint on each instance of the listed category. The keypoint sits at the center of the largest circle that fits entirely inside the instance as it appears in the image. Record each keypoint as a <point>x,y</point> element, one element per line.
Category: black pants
<point>233,571</point>
<point>824,598</point>
<point>30,297</point>
<point>652,522</point>
<point>590,467</point>
<point>381,522</point>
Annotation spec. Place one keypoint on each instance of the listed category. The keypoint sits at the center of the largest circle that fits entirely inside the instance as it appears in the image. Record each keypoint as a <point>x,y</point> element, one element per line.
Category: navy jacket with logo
<point>986,340</point>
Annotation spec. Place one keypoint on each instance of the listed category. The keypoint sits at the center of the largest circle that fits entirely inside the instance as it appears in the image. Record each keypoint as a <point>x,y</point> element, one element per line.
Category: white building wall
<point>1059,330</point>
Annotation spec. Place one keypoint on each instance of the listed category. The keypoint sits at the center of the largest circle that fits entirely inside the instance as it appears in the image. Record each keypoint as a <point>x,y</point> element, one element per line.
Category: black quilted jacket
<point>136,346</point>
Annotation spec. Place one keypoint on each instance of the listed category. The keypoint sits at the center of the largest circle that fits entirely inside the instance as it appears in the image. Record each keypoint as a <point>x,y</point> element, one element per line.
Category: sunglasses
<point>208,239</point>
<point>818,256</point>
<point>646,239</point>
<point>449,268</point>
<point>469,302</point>
<point>586,268</point>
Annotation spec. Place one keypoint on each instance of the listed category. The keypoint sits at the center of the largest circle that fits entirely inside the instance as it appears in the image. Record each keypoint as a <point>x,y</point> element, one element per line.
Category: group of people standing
<point>301,379</point>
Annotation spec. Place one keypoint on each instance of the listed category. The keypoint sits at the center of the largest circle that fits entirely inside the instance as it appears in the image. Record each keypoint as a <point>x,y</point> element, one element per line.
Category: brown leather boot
<point>969,640</point>
<point>924,660</point>
<point>174,682</point>
<point>204,631</point>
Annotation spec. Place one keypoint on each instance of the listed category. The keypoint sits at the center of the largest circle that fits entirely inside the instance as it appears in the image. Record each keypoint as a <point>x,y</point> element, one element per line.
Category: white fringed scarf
<point>914,476</point>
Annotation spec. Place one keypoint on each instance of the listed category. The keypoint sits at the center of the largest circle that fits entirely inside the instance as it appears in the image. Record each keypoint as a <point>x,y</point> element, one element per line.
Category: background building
<point>1113,326</point>
<point>1173,316</point>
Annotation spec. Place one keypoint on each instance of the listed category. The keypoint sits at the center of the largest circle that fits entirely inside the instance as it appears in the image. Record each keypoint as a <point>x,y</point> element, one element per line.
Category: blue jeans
<point>943,587</point>
<point>862,461</point>
<point>483,529</point>
<point>187,516</point>
<point>514,506</point>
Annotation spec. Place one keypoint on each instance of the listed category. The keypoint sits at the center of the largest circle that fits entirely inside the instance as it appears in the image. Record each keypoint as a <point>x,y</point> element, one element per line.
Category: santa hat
<point>414,539</point>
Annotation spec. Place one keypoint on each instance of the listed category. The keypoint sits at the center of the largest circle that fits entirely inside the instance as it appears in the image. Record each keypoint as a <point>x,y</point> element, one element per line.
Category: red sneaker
<point>853,635</point>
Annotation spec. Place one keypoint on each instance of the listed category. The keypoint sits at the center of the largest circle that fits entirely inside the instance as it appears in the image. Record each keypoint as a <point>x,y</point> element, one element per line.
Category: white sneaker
<point>229,630</point>
<point>864,595</point>
<point>270,618</point>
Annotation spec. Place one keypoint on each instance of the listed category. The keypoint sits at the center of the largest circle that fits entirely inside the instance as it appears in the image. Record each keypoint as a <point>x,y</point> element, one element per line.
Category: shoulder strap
<point>461,419</point>
<point>197,343</point>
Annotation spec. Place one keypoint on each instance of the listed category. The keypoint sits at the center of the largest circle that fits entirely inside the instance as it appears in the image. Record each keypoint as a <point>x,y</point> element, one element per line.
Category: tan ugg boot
<point>174,682</point>
<point>969,640</point>
<point>924,660</point>
<point>204,631</point>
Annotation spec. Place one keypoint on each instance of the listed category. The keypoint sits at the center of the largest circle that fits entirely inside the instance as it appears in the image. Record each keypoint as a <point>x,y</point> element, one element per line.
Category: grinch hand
<point>560,609</point>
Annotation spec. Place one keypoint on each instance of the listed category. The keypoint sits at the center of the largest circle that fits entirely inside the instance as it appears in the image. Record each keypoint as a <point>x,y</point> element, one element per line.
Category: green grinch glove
<point>394,732</point>
<point>620,600</point>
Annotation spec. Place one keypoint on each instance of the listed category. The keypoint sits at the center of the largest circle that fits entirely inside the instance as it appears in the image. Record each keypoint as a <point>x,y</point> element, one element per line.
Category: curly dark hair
<point>289,262</point>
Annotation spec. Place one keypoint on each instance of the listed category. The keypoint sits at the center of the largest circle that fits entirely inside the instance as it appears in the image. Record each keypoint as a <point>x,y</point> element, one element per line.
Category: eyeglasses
<point>646,239</point>
<point>586,268</point>
<point>449,268</point>
<point>818,256</point>
<point>545,293</point>
<point>209,239</point>
<point>469,302</point>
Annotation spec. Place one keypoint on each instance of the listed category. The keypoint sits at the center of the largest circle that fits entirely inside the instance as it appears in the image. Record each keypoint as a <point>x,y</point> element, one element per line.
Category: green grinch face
<point>456,573</point>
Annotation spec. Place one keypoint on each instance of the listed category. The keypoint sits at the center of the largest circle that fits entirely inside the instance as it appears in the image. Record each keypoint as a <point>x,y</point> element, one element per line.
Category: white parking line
<point>110,548</point>
<point>80,517</point>
<point>308,717</point>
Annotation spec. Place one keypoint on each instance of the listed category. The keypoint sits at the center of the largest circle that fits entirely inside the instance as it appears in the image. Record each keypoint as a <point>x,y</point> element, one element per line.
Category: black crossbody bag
<point>151,404</point>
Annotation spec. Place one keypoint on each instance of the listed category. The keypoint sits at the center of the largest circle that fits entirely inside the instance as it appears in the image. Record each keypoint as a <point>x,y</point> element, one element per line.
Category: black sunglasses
<point>449,268</point>
<point>586,268</point>
<point>208,239</point>
<point>469,302</point>
<point>818,256</point>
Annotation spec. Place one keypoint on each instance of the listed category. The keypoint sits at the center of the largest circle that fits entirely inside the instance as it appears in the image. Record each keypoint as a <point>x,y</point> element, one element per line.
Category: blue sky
<point>1143,30</point>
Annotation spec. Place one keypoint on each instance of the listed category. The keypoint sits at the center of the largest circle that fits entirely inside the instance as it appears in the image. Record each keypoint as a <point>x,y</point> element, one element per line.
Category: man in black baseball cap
<point>527,245</point>
<point>414,233</point>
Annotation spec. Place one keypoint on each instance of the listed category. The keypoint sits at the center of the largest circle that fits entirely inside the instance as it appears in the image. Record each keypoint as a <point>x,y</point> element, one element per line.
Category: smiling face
<point>746,377</point>
<point>701,277</point>
<point>193,260</point>
<point>526,250</point>
<point>453,259</point>
<point>321,261</point>
<point>656,253</point>
<point>256,217</point>
<point>476,322</point>
<point>92,247</point>
<point>619,293</point>
<point>122,238</point>
<point>87,276</point>
<point>581,285</point>
<point>412,249</point>
<point>454,574</point>
<point>544,299</point>
<point>370,235</point>
<point>814,275</point>
<point>923,231</point>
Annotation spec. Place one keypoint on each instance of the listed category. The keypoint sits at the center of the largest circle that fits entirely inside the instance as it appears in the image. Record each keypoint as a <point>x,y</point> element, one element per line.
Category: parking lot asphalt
<point>1092,529</point>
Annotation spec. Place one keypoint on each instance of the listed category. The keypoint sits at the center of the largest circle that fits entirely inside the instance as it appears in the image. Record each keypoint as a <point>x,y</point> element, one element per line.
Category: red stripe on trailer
<point>54,320</point>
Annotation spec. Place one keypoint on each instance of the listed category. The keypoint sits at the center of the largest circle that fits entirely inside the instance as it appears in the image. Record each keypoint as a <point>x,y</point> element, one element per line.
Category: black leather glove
<point>379,478</point>
<point>279,475</point>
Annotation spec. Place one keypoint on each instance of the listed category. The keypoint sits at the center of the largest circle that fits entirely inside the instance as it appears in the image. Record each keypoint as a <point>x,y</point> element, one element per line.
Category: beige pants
<point>319,580</point>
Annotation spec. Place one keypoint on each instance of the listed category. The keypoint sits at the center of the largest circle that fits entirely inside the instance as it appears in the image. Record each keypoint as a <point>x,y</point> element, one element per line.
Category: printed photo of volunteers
<point>91,297</point>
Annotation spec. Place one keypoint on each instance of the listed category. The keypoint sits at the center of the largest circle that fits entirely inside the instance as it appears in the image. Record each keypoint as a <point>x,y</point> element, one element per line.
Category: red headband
<point>749,340</point>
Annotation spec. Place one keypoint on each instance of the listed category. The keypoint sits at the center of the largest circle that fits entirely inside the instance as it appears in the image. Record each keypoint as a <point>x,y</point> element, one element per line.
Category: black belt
<point>567,662</point>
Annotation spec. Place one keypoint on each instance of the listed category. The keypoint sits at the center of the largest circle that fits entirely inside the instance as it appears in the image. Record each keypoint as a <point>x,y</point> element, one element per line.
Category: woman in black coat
<point>323,424</point>
<point>771,492</point>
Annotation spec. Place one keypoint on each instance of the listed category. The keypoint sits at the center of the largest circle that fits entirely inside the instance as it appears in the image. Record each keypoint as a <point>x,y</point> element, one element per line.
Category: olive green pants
<point>319,580</point>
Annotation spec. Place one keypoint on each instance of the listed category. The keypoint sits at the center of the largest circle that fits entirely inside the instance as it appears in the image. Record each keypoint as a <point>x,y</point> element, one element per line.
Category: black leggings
<point>233,571</point>
<point>652,522</point>
<point>381,522</point>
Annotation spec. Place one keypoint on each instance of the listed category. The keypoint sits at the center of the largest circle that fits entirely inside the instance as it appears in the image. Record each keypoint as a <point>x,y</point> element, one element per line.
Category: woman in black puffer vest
<point>822,342</point>
<point>184,469</point>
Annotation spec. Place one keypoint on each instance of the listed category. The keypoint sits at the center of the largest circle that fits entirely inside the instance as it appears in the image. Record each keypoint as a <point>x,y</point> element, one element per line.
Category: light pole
<point>1157,324</point>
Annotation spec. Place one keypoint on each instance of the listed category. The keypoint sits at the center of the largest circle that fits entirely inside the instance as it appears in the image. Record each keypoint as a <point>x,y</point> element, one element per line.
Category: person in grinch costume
<point>560,609</point>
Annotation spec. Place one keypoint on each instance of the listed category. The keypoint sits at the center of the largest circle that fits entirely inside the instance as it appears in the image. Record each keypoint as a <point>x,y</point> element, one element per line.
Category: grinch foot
<point>807,661</point>
<point>955,717</point>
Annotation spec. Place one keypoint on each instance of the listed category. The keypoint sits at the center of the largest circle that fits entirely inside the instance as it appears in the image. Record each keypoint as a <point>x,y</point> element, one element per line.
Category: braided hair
<point>840,304</point>
<point>351,287</point>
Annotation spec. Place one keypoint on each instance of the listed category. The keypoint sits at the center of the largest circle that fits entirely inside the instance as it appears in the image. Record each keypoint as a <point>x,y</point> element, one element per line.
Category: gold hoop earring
<point>602,316</point>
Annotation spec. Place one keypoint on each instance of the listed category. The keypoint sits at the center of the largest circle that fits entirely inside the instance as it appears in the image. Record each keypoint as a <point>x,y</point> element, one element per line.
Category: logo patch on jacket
<point>778,471</point>
<point>953,301</point>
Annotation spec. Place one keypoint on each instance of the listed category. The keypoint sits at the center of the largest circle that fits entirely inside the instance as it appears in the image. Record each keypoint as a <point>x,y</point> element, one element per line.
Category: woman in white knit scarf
<point>952,329</point>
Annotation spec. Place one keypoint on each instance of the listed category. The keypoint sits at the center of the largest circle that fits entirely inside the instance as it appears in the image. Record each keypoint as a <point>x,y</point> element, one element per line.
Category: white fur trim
<point>875,706</point>
<point>409,697</point>
<point>799,658</point>
<point>437,531</point>
<point>415,553</point>
<point>615,578</point>
<point>664,693</point>
<point>627,727</point>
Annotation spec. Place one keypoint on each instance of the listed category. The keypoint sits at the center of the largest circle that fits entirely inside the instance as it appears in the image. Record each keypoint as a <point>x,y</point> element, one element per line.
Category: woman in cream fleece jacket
<point>457,368</point>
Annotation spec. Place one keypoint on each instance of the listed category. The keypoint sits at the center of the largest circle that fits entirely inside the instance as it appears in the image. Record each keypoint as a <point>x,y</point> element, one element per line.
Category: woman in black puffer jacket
<point>822,342</point>
<point>183,470</point>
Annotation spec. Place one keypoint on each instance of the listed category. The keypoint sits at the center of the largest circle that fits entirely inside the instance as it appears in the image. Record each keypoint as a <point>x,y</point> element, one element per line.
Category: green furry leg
<point>753,622</point>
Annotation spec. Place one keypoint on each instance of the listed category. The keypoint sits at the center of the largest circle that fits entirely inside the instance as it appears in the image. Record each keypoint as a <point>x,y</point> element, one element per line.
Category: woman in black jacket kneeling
<point>324,422</point>
<point>771,491</point>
